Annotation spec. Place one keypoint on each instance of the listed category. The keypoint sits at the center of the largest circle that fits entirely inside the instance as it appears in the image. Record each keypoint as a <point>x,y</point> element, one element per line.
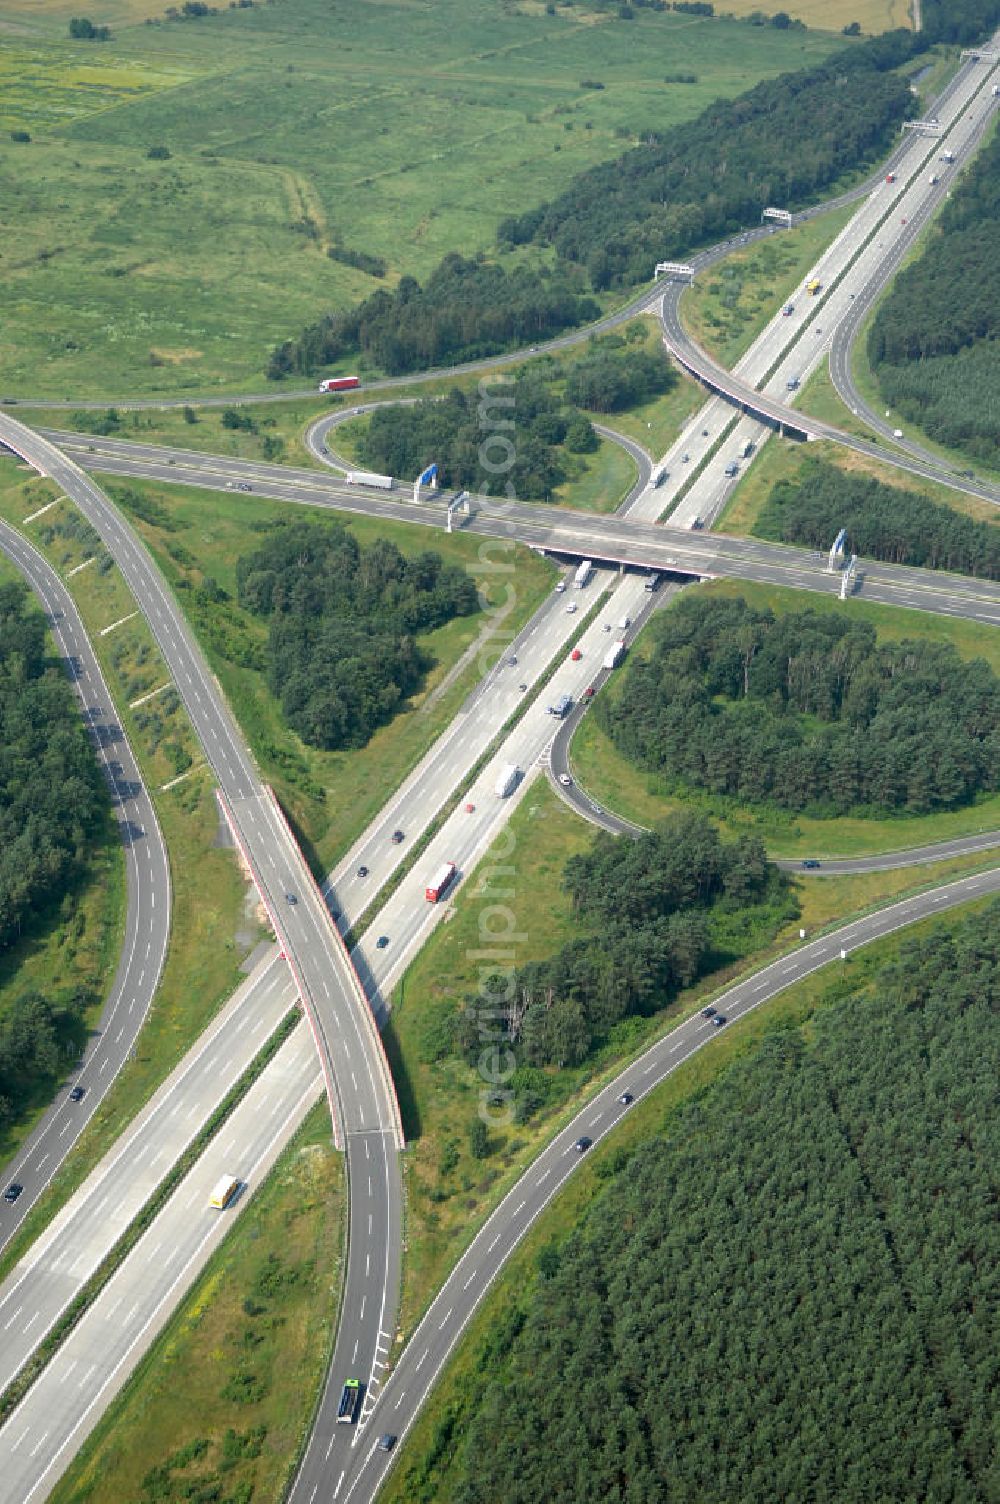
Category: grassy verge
<point>331,796</point>
<point>117,1255</point>
<point>783,459</point>
<point>728,306</point>
<point>449,1191</point>
<point>221,1400</point>
<point>619,785</point>
<point>421,1475</point>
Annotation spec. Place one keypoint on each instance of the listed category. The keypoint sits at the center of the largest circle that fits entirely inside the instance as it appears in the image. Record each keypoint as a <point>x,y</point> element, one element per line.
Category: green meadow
<point>400,129</point>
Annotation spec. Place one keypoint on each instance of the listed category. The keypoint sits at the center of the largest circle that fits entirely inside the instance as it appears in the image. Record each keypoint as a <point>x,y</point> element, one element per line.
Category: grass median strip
<point>113,1260</point>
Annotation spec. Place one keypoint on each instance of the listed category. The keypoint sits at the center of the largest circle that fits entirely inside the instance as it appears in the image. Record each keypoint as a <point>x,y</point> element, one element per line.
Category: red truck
<point>339,383</point>
<point>439,882</point>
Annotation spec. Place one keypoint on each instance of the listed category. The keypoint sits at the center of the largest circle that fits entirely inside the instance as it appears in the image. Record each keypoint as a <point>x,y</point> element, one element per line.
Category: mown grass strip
<point>117,1255</point>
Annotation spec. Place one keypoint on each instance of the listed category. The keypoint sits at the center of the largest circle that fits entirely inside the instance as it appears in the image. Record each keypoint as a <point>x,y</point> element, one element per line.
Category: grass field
<point>421,1473</point>
<point>873,16</point>
<point>729,304</point>
<point>221,1400</point>
<point>621,786</point>
<point>330,795</point>
<point>405,131</point>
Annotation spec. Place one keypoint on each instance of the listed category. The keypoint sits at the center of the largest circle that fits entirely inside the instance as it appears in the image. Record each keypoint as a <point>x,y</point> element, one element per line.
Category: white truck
<point>369,478</point>
<point>224,1192</point>
<point>508,780</point>
<point>614,655</point>
<point>583,574</point>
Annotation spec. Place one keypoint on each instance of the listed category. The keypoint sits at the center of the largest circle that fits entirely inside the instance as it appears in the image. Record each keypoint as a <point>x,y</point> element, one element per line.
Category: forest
<point>466,310</point>
<point>784,142</point>
<point>882,522</point>
<point>52,806</point>
<point>653,916</point>
<point>936,337</point>
<point>342,655</point>
<point>807,711</point>
<point>787,1292</point>
<point>543,405</point>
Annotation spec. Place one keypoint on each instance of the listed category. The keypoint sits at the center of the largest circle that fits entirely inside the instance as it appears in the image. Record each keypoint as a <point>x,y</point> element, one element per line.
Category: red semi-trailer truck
<point>339,383</point>
<point>440,881</point>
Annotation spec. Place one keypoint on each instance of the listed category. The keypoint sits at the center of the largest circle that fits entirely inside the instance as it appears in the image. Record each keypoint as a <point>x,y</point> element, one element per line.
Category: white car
<point>571,608</point>
<point>625,623</point>
<point>565,780</point>
<point>560,587</point>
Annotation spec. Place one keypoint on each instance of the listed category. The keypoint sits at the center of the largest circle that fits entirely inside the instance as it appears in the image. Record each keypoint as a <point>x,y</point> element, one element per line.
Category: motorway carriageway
<point>82,1234</point>
<point>606,539</point>
<point>147,883</point>
<point>464,841</point>
<point>861,260</point>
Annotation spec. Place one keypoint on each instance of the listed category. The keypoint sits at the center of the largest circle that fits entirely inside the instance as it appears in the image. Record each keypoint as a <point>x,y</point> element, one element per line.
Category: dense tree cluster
<point>52,798</point>
<point>936,338</point>
<point>808,711</point>
<point>605,383</point>
<point>783,142</point>
<point>654,914</point>
<point>52,803</point>
<point>465,310</point>
<point>404,440</point>
<point>789,1293</point>
<point>882,522</point>
<point>342,654</point>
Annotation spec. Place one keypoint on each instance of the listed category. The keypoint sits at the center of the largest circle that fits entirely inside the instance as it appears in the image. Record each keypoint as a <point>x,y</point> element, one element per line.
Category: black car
<point>290,898</point>
<point>697,525</point>
<point>810,864</point>
<point>397,837</point>
<point>718,1020</point>
<point>362,871</point>
<point>583,1144</point>
<point>708,1012</point>
<point>382,941</point>
<point>386,1442</point>
<point>626,1099</point>
<point>77,1094</point>
<point>13,1191</point>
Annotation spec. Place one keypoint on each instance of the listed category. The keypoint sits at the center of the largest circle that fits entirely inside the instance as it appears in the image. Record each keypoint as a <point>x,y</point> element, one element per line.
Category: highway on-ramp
<point>434,1339</point>
<point>358,1081</point>
<point>147,885</point>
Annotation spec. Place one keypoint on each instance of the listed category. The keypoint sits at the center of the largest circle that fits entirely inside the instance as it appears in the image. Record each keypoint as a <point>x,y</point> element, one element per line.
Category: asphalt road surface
<point>362,1466</point>
<point>147,886</point>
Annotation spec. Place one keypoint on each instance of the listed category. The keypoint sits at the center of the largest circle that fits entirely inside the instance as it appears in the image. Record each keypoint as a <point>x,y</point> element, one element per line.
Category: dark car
<point>382,941</point>
<point>397,837</point>
<point>718,1020</point>
<point>583,1144</point>
<point>290,898</point>
<point>13,1191</point>
<point>810,864</point>
<point>512,660</point>
<point>626,1099</point>
<point>522,687</point>
<point>362,871</point>
<point>386,1442</point>
<point>708,1012</point>
<point>78,1093</point>
<point>697,525</point>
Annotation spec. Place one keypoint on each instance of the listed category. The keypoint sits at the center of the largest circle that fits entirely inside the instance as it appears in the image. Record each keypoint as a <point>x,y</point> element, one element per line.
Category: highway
<point>147,887</point>
<point>853,269</point>
<point>424,1356</point>
<point>611,540</point>
<point>358,1082</point>
<point>404,918</point>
